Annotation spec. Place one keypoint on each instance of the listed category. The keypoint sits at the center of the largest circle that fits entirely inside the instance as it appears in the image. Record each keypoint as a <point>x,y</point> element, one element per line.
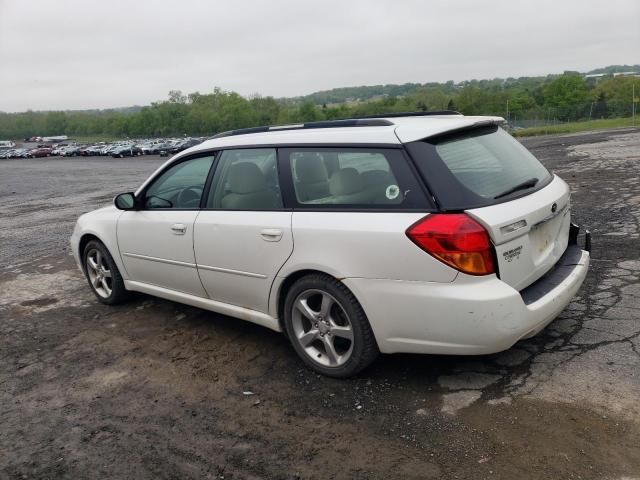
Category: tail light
<point>455,239</point>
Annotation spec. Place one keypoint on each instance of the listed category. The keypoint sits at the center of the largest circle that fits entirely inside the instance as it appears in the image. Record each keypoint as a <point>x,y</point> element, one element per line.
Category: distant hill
<point>524,101</point>
<point>98,111</point>
<point>615,69</point>
<point>363,92</point>
<point>132,109</point>
<point>373,92</point>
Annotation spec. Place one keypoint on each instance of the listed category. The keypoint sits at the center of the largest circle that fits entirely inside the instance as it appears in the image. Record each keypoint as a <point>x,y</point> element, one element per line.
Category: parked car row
<point>15,153</point>
<point>34,152</point>
<point>119,149</point>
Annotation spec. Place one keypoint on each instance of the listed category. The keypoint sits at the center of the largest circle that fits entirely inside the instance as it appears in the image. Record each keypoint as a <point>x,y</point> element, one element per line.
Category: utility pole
<point>507,111</point>
<point>633,105</point>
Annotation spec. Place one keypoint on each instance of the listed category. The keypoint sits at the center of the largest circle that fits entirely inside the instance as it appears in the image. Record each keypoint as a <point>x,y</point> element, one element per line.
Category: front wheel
<point>327,327</point>
<point>103,275</point>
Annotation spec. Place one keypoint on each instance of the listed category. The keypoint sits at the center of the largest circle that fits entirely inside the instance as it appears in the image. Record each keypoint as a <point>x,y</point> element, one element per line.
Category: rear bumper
<point>469,316</point>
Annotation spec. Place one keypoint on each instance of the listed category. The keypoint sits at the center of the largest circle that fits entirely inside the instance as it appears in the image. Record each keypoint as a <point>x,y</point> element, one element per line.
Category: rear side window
<point>334,177</point>
<point>477,168</point>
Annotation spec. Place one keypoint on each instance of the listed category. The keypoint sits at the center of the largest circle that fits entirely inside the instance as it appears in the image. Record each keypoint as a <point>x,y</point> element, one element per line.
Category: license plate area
<point>548,235</point>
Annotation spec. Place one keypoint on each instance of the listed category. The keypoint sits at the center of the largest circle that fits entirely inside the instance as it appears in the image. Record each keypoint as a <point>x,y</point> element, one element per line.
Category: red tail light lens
<point>455,239</point>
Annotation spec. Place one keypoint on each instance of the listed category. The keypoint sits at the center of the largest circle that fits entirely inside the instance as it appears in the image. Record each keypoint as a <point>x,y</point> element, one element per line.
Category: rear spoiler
<point>480,124</point>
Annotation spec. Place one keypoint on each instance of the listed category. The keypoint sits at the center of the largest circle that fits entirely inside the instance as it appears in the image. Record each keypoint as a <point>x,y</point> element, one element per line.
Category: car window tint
<point>180,186</point>
<point>349,177</point>
<point>490,163</point>
<point>363,162</point>
<point>246,179</point>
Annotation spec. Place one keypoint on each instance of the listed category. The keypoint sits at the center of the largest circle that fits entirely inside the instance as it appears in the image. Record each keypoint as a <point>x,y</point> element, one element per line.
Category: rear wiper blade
<point>521,186</point>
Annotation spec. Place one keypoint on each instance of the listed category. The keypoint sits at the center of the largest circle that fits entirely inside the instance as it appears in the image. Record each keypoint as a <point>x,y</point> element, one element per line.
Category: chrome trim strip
<point>160,260</point>
<point>553,215</point>
<point>233,272</point>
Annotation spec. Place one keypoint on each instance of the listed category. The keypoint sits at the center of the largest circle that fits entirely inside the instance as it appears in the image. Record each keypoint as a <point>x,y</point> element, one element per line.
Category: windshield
<point>491,163</point>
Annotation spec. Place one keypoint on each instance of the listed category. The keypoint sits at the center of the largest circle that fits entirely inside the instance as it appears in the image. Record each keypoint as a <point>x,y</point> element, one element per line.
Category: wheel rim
<point>99,274</point>
<point>322,328</point>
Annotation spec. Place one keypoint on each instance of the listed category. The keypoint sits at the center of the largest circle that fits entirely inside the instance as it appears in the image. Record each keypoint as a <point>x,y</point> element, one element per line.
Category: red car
<point>40,152</point>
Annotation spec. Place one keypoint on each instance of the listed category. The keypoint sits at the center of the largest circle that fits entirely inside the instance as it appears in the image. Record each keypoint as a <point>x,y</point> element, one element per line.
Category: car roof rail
<point>348,122</point>
<point>412,114</point>
<point>379,120</point>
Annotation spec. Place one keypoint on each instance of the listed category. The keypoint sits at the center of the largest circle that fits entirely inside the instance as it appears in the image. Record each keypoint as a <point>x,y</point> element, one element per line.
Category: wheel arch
<point>109,243</point>
<point>82,244</point>
<point>291,278</point>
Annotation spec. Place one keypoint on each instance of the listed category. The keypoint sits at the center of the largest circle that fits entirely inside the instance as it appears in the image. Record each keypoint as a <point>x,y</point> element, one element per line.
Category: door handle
<point>271,234</point>
<point>179,228</point>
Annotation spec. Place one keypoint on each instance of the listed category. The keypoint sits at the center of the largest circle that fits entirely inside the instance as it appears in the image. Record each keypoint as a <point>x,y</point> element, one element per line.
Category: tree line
<point>569,96</point>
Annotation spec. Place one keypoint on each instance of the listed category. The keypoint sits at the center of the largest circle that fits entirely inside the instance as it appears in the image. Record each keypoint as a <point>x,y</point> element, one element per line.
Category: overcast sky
<point>70,54</point>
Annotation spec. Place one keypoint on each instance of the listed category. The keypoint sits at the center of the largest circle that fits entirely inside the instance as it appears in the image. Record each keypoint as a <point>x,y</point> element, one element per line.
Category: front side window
<point>246,179</point>
<point>351,176</point>
<point>180,186</point>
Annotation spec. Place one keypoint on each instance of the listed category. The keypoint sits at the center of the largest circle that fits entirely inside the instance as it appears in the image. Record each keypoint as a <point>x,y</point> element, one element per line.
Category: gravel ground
<point>155,389</point>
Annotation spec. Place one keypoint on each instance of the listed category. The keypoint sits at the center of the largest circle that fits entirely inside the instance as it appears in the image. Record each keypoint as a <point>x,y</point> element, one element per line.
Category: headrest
<point>311,169</point>
<point>377,177</point>
<point>246,177</point>
<point>345,182</point>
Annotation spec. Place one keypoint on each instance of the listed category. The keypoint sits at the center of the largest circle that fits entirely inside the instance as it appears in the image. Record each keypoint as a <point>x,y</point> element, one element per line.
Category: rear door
<point>493,178</point>
<point>352,206</point>
<point>243,235</point>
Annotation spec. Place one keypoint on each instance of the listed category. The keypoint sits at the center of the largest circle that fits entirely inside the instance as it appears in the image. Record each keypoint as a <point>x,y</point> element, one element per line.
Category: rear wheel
<point>103,274</point>
<point>327,326</point>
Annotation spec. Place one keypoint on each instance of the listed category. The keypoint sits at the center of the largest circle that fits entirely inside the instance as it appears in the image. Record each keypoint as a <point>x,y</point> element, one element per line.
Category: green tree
<point>568,95</point>
<point>617,92</point>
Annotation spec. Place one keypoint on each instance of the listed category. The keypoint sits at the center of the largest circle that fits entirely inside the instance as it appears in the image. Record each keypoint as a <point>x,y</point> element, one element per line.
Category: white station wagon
<point>420,233</point>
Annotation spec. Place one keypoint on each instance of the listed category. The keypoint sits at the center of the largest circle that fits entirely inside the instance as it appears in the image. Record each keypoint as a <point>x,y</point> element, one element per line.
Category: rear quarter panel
<point>358,245</point>
<point>362,244</point>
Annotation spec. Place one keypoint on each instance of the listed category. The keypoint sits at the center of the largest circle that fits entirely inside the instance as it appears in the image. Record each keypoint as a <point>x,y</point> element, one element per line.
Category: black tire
<point>364,347</point>
<point>118,293</point>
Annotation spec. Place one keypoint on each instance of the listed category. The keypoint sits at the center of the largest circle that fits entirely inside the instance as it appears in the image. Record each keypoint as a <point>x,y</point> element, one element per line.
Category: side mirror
<point>125,201</point>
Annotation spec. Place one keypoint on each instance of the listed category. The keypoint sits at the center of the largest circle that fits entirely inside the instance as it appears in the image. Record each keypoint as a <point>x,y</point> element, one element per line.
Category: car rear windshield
<point>478,167</point>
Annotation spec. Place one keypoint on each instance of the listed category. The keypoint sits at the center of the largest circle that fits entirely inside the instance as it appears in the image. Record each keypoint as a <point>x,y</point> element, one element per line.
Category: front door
<point>156,242</point>
<point>243,236</point>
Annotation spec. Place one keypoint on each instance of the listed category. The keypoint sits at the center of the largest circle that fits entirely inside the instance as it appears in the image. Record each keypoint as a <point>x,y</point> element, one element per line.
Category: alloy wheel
<point>99,273</point>
<point>322,328</point>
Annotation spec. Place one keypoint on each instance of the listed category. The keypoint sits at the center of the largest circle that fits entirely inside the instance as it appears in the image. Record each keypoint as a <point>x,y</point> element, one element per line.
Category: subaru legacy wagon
<point>419,233</point>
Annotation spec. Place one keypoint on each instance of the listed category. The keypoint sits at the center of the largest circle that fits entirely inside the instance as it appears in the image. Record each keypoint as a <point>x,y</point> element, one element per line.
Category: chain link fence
<point>545,116</point>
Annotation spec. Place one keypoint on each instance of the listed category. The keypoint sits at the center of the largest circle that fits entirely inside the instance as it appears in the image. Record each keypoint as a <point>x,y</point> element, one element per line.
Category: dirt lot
<point>154,389</point>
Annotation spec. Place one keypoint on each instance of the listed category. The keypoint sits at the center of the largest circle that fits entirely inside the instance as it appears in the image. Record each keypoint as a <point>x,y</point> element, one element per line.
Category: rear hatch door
<point>486,173</point>
<point>530,233</point>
